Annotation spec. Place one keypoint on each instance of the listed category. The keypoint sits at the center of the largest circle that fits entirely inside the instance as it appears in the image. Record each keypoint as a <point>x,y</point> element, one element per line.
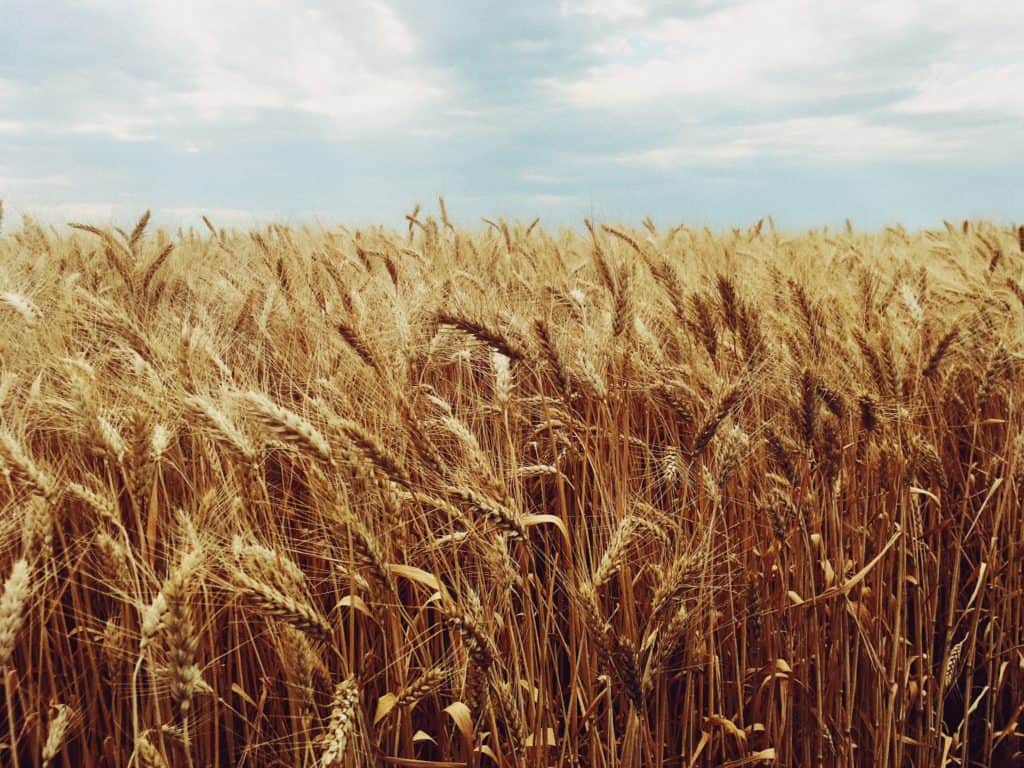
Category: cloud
<point>282,57</point>
<point>810,83</point>
<point>15,184</point>
<point>540,177</point>
<point>773,54</point>
<point>763,52</point>
<point>823,141</point>
<point>221,217</point>
<point>545,199</point>
<point>194,61</point>
<point>985,92</point>
<point>609,10</point>
<point>7,89</point>
<point>117,126</point>
<point>124,214</point>
<point>62,213</point>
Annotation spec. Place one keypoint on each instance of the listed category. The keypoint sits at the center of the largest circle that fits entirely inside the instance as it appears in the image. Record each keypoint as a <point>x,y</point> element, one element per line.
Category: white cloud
<point>123,214</point>
<point>349,63</point>
<point>219,217</point>
<point>391,29</point>
<point>12,128</point>
<point>122,127</point>
<point>760,51</point>
<point>429,133</point>
<point>821,82</point>
<point>543,199</point>
<point>17,184</point>
<point>992,90</point>
<point>72,211</point>
<point>819,140</point>
<point>10,125</point>
<point>539,177</point>
<point>784,53</point>
<point>609,10</point>
<point>352,66</point>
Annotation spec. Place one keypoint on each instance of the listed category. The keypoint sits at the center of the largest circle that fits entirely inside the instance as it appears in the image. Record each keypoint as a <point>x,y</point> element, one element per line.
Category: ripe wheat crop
<point>506,496</point>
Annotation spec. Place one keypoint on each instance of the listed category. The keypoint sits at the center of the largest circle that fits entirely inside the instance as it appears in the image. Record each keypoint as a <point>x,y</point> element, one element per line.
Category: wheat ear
<point>343,723</point>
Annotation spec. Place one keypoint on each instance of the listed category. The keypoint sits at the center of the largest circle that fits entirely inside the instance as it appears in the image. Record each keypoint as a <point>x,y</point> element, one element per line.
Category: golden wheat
<point>630,497</point>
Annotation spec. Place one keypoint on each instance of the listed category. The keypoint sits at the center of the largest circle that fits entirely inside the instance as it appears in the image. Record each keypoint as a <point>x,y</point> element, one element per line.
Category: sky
<point>700,112</point>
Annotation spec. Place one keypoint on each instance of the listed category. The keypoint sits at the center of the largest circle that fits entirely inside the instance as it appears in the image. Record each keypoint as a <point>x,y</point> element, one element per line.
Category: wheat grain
<point>22,469</point>
<point>287,426</point>
<point>15,596</point>
<point>343,723</point>
<point>278,605</point>
<point>56,732</point>
<point>147,755</point>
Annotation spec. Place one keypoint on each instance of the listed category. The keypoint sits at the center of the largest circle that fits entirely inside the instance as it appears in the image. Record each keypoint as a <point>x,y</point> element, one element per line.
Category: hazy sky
<point>698,111</point>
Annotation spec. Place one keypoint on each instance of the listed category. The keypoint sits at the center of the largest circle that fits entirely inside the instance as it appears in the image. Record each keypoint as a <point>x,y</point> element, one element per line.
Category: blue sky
<point>698,111</point>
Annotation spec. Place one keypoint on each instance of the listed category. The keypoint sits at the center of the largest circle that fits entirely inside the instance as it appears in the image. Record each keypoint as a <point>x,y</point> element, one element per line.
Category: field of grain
<point>633,496</point>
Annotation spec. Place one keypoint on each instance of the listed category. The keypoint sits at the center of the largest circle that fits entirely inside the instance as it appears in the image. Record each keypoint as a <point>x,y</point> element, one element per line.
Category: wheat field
<point>440,496</point>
